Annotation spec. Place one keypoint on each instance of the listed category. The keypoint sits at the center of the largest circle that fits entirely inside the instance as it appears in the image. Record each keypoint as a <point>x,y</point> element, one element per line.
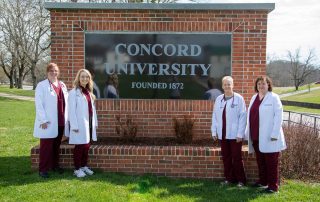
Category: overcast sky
<point>292,24</point>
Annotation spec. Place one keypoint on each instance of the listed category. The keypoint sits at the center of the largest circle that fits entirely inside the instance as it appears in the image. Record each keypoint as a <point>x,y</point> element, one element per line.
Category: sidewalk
<point>298,92</point>
<point>17,97</point>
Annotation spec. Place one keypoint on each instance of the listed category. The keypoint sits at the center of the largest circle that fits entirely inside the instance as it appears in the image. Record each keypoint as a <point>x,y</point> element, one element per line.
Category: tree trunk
<point>11,82</point>
<point>20,80</point>
<point>33,75</point>
<point>15,79</point>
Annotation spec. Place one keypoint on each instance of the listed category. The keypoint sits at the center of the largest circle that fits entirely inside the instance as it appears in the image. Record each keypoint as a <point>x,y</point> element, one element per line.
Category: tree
<point>24,27</point>
<point>121,1</point>
<point>37,42</point>
<point>8,60</point>
<point>300,69</point>
<point>11,26</point>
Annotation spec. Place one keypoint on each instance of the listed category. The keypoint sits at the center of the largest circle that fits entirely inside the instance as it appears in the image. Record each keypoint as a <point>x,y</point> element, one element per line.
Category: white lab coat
<point>47,110</point>
<point>235,117</point>
<point>79,118</point>
<point>270,124</point>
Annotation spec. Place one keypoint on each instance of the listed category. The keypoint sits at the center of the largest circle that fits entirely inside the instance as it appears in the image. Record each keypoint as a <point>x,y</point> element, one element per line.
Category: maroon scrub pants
<point>268,165</point>
<point>232,161</point>
<point>49,152</point>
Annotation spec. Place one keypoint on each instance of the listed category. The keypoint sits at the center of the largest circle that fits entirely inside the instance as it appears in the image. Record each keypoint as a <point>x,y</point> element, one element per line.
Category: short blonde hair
<point>76,82</point>
<point>227,78</point>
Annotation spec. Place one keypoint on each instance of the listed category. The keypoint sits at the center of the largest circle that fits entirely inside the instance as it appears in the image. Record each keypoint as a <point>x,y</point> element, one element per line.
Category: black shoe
<point>58,170</point>
<point>270,191</point>
<point>44,174</point>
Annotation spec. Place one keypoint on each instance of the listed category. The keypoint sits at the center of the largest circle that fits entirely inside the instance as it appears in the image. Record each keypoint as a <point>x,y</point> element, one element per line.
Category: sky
<point>292,24</point>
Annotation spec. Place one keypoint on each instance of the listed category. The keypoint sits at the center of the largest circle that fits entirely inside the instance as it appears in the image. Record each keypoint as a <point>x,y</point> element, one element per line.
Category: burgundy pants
<point>81,153</point>
<point>268,165</point>
<point>49,151</point>
<point>232,161</point>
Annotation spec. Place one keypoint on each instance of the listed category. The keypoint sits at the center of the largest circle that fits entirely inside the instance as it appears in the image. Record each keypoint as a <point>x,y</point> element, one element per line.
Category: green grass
<point>8,90</point>
<point>310,97</point>
<point>19,183</point>
<point>301,109</point>
<point>283,90</point>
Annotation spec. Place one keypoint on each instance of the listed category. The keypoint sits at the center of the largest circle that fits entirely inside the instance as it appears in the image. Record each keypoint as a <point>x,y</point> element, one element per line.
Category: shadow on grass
<point>16,171</point>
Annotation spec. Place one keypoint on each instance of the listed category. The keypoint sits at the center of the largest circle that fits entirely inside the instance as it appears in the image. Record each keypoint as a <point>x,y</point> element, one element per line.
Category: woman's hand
<point>214,138</point>
<point>44,125</point>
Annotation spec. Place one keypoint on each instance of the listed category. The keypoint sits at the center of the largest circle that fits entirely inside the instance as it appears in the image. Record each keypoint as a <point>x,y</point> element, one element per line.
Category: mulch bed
<point>147,141</point>
<point>144,141</point>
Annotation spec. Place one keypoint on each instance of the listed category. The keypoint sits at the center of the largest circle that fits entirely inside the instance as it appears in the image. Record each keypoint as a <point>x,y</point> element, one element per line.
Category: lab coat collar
<point>266,97</point>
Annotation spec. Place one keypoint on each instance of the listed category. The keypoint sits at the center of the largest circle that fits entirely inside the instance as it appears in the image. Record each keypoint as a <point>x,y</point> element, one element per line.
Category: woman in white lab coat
<point>265,134</point>
<point>228,125</point>
<point>83,121</point>
<point>51,119</point>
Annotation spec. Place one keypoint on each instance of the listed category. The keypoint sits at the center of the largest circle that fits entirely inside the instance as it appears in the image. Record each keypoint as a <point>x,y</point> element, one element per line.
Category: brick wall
<point>174,161</point>
<point>154,117</point>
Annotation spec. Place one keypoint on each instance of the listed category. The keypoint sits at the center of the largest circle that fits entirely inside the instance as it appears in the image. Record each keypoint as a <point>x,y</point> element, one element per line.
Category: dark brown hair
<point>263,78</point>
<point>51,65</point>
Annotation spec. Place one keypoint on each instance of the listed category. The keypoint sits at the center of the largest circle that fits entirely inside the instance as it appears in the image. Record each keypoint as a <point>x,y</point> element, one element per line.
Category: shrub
<point>301,159</point>
<point>183,129</point>
<point>127,128</point>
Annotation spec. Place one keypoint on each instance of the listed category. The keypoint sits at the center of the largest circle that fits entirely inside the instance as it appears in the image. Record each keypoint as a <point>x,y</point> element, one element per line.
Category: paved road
<point>17,97</point>
<point>298,92</point>
<point>25,87</point>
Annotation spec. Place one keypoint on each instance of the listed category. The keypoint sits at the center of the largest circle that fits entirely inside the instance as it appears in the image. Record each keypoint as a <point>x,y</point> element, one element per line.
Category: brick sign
<point>157,66</point>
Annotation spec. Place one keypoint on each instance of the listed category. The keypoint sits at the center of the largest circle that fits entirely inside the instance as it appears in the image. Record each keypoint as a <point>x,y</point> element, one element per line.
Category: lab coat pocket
<point>267,105</point>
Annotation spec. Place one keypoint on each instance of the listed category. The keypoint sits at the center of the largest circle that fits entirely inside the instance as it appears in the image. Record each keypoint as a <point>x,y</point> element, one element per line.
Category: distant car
<point>318,82</point>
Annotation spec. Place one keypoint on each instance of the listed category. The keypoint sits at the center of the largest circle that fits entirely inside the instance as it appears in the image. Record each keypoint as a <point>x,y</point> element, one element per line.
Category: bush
<point>183,129</point>
<point>127,129</point>
<point>301,159</point>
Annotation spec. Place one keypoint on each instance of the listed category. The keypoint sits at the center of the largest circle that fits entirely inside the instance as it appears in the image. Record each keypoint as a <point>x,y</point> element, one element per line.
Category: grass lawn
<point>8,90</point>
<point>283,90</point>
<point>19,183</point>
<point>310,97</point>
<point>301,109</point>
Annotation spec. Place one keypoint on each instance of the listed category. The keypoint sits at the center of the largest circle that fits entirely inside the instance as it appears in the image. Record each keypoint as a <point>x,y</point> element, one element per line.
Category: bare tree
<point>37,41</point>
<point>8,54</point>
<point>24,27</point>
<point>11,30</point>
<point>120,1</point>
<point>301,68</point>
<point>7,63</point>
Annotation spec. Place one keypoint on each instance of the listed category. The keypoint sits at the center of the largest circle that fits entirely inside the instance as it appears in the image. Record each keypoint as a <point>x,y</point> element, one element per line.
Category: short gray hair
<point>228,78</point>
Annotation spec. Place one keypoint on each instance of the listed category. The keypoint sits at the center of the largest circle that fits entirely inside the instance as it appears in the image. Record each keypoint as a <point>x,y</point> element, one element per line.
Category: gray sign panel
<point>158,66</point>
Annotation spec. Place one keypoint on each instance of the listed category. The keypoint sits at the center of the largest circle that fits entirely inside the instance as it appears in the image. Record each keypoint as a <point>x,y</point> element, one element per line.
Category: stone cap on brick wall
<point>163,6</point>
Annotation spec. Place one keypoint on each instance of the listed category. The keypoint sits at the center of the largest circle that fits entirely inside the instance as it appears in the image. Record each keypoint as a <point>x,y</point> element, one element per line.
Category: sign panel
<point>157,65</point>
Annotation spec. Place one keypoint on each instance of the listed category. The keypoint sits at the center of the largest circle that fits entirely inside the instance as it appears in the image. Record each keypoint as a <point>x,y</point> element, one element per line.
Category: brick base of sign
<point>170,161</point>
